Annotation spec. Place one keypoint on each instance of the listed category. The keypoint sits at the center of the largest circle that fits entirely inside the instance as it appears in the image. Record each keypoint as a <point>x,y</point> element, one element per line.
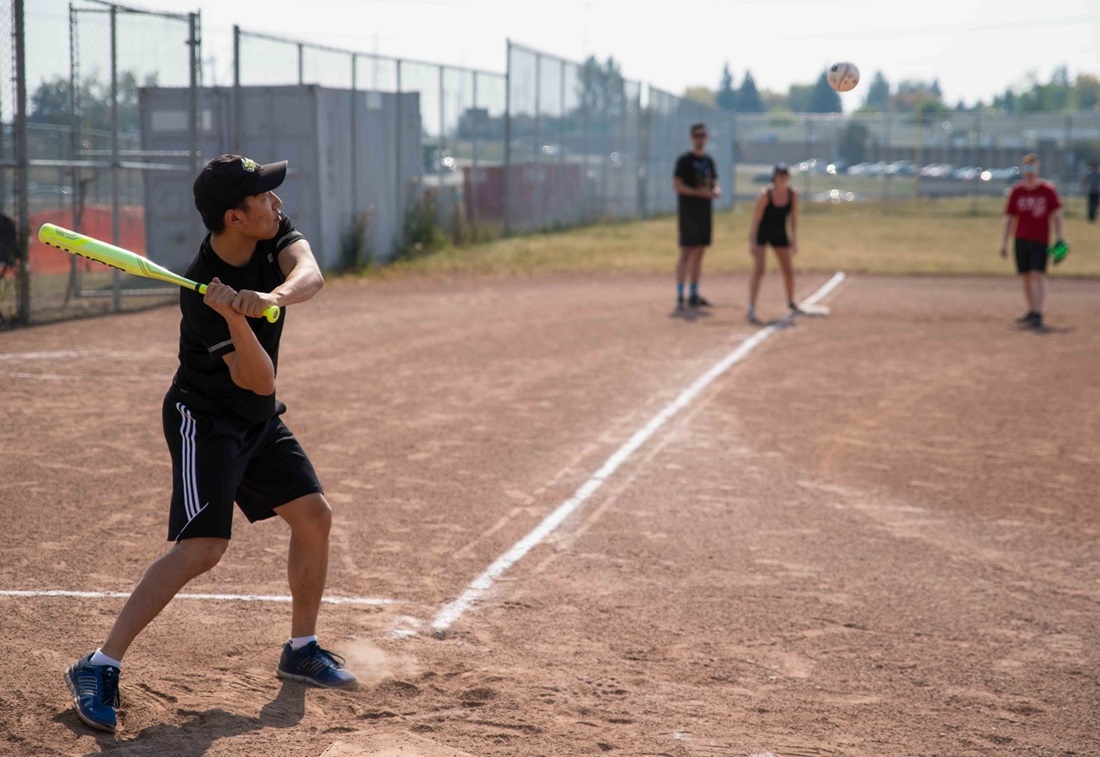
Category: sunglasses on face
<point>699,135</point>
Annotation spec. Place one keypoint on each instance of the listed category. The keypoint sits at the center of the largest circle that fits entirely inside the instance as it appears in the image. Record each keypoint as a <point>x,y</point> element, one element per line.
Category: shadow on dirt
<point>195,736</point>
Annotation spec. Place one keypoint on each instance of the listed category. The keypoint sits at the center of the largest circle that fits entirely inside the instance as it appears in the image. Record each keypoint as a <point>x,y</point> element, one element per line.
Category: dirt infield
<point>875,535</point>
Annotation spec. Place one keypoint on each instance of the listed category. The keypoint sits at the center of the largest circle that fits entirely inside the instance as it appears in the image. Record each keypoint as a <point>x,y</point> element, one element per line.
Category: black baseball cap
<point>228,179</point>
<point>780,168</point>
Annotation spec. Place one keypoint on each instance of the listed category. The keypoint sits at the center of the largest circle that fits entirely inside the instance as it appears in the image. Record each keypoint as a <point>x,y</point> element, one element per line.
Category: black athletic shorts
<point>695,228</point>
<point>216,462</point>
<point>1030,256</point>
<point>776,238</point>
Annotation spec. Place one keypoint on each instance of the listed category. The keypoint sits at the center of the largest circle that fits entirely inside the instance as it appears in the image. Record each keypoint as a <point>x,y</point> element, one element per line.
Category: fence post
<point>809,153</point>
<point>194,42</point>
<point>507,179</point>
<point>1069,167</point>
<point>644,154</point>
<point>918,145</point>
<point>586,212</point>
<point>21,157</point>
<point>400,206</point>
<point>476,125</point>
<point>442,126</point>
<point>733,160</point>
<point>560,183</point>
<point>77,201</point>
<point>116,278</point>
<point>539,189</point>
<point>885,154</point>
<point>236,106</point>
<point>355,143</point>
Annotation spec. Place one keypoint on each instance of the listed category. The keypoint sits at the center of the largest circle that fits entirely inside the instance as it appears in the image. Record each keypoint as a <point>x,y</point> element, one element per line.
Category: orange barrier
<point>95,222</point>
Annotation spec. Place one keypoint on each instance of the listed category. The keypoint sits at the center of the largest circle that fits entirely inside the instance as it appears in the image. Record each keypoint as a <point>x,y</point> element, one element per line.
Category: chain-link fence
<point>415,157</point>
<point>85,164</point>
<point>587,144</point>
<point>13,204</point>
<point>105,119</point>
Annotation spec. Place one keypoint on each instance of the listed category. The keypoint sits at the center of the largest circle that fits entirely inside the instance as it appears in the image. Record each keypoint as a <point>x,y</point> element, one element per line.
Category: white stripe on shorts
<point>187,458</point>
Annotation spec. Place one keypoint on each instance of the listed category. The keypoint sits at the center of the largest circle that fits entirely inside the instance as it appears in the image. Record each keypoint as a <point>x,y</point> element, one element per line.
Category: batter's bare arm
<point>303,275</point>
<point>249,365</point>
<point>303,281</point>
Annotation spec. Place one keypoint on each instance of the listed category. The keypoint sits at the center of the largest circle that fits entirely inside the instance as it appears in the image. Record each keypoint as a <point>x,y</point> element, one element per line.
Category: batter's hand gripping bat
<point>123,260</point>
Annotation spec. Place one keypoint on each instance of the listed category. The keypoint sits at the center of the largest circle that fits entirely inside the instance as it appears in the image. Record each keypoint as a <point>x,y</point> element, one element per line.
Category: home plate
<point>365,744</point>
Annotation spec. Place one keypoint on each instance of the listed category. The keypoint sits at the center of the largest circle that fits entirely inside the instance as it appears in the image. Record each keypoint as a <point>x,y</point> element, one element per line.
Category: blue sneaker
<point>315,665</point>
<point>95,692</point>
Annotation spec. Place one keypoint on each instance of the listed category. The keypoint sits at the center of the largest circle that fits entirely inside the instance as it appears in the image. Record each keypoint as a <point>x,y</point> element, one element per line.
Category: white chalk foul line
<point>454,610</point>
<point>209,597</point>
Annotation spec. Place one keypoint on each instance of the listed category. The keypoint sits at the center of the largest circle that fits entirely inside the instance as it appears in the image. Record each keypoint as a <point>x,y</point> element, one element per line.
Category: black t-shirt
<point>697,172</point>
<point>202,381</point>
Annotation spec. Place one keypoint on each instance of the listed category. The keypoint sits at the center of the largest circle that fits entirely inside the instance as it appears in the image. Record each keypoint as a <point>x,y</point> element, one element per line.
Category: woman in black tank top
<point>776,209</point>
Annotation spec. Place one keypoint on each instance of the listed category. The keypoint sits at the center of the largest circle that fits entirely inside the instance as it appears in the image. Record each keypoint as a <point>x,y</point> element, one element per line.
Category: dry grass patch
<point>934,237</point>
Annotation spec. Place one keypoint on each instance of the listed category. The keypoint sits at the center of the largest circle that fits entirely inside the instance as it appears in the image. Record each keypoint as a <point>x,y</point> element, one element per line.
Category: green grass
<point>934,237</point>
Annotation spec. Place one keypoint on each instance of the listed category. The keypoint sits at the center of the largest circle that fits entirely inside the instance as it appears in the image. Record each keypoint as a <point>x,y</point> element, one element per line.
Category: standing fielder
<point>1033,204</point>
<point>224,431</point>
<point>696,183</point>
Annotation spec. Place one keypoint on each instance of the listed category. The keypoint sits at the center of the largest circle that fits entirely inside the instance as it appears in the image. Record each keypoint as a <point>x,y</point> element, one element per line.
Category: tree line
<point>88,104</point>
<point>600,90</point>
<point>1062,93</point>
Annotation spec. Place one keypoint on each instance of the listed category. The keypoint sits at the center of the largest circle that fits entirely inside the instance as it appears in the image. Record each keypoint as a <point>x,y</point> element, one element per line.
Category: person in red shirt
<point>1031,206</point>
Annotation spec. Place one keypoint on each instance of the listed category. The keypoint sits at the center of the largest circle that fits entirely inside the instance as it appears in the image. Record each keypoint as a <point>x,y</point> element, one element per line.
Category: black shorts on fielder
<point>216,462</point>
<point>695,229</point>
<point>1030,256</point>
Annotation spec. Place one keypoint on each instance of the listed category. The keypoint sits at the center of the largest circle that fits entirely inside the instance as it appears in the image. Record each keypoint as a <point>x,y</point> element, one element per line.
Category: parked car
<point>901,168</point>
<point>937,170</point>
<point>837,196</point>
<point>811,165</point>
<point>1010,174</point>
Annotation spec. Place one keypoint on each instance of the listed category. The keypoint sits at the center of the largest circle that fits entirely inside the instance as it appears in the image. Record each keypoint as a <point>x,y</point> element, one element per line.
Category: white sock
<point>297,642</point>
<point>98,658</point>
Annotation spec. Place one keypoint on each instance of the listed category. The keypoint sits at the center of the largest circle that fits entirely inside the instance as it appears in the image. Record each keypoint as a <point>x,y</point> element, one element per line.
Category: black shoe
<point>698,301</point>
<point>312,664</point>
<point>793,308</point>
<point>1036,321</point>
<point>1026,317</point>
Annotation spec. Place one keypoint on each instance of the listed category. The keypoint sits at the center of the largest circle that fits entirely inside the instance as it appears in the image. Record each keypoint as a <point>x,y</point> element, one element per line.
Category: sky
<point>975,49</point>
